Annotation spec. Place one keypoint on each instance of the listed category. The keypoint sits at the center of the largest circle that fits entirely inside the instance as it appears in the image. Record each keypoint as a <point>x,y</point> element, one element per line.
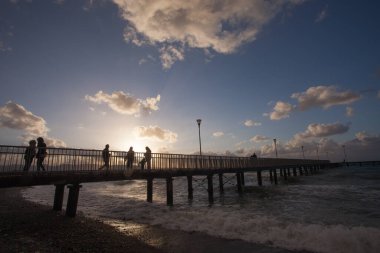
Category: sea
<point>335,210</point>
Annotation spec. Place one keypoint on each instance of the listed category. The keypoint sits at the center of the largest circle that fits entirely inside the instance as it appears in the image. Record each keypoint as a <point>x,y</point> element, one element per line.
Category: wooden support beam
<point>285,175</point>
<point>58,197</point>
<point>72,200</point>
<point>210,188</point>
<point>149,190</point>
<point>238,181</point>
<point>294,171</point>
<point>259,178</point>
<point>275,176</point>
<point>281,172</point>
<point>221,184</point>
<point>242,178</point>
<point>300,169</point>
<point>271,176</point>
<point>288,169</point>
<point>169,191</point>
<point>190,187</point>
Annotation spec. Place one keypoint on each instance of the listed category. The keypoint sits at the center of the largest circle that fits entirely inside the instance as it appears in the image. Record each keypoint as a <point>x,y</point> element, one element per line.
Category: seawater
<point>336,210</point>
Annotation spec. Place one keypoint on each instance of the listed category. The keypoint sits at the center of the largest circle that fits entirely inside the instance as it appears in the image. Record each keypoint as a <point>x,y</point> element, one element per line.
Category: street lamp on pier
<point>344,152</point>
<point>275,146</point>
<point>303,152</point>
<point>317,153</point>
<point>199,127</point>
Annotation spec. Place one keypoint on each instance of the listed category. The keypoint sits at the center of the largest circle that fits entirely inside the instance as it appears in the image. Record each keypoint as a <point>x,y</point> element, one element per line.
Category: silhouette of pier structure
<point>67,167</point>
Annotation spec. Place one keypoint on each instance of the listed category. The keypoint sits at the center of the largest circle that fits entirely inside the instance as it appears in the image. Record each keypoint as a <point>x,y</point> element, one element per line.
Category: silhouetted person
<point>41,153</point>
<point>148,157</point>
<point>106,157</point>
<point>130,157</point>
<point>254,156</point>
<point>30,153</point>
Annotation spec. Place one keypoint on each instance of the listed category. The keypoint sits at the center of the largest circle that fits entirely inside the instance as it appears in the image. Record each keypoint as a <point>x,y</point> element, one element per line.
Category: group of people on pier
<point>37,149</point>
<point>129,158</point>
<point>31,152</point>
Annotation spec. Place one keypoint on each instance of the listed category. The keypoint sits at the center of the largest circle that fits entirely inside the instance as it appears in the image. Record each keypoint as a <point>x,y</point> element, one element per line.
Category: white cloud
<point>323,130</point>
<point>259,138</point>
<point>222,26</point>
<point>250,123</point>
<point>281,110</point>
<point>125,103</point>
<point>16,116</point>
<point>157,133</point>
<point>171,54</point>
<point>324,96</point>
<point>349,111</point>
<point>218,134</point>
<point>378,94</point>
<point>322,15</point>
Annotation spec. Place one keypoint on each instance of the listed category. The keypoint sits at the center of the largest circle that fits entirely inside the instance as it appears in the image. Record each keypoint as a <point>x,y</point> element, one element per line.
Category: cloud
<point>16,116</point>
<point>324,96</point>
<point>378,94</point>
<point>349,111</point>
<point>157,133</point>
<point>125,103</point>
<point>259,138</point>
<point>323,130</point>
<point>281,111</point>
<point>250,123</point>
<point>218,134</point>
<point>322,15</point>
<point>171,54</point>
<point>222,26</point>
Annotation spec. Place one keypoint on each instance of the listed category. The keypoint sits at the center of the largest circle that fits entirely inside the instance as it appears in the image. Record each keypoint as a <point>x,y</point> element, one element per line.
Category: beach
<point>32,227</point>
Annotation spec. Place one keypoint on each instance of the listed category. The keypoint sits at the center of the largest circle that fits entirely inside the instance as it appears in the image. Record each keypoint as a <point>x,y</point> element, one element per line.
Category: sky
<point>86,73</point>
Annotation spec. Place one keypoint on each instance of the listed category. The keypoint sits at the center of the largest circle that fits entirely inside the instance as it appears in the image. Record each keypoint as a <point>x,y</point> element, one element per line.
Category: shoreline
<point>31,227</point>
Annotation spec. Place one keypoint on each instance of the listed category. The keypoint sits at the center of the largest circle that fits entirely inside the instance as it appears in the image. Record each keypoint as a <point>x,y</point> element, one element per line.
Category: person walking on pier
<point>130,157</point>
<point>41,153</point>
<point>106,157</point>
<point>30,153</point>
<point>148,157</point>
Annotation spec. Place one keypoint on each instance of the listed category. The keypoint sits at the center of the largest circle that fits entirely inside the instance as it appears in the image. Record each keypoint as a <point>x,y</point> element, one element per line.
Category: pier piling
<point>221,188</point>
<point>149,192</point>
<point>190,187</point>
<point>72,200</point>
<point>58,197</point>
<point>210,188</point>
<point>169,191</point>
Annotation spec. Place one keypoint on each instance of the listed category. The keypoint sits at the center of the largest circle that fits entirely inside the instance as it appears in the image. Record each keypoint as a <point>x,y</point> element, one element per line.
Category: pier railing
<point>70,159</point>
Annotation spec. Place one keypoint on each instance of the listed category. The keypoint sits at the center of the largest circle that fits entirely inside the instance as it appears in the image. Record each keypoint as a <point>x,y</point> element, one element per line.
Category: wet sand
<point>31,227</point>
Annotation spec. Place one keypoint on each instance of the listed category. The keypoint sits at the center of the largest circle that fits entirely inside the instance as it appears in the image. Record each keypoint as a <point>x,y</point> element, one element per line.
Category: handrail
<point>73,159</point>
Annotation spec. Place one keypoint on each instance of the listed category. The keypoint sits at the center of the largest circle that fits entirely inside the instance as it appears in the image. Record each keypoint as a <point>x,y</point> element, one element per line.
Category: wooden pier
<point>72,167</point>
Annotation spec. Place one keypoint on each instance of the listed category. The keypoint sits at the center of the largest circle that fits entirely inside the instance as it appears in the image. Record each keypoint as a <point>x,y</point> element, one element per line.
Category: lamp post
<point>317,153</point>
<point>344,152</point>
<point>275,146</point>
<point>303,152</point>
<point>199,127</point>
<point>327,155</point>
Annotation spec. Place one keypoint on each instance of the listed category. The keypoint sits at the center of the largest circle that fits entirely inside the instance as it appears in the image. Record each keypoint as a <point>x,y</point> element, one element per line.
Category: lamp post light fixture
<point>199,128</point>
<point>303,152</point>
<point>317,153</point>
<point>275,147</point>
<point>344,152</point>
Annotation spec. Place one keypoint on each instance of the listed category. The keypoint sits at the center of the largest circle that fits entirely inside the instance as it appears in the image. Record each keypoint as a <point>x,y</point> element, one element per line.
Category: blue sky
<point>128,73</point>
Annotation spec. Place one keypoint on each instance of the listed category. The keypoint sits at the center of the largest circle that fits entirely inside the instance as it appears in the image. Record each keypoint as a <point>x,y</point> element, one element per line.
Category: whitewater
<point>336,210</point>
